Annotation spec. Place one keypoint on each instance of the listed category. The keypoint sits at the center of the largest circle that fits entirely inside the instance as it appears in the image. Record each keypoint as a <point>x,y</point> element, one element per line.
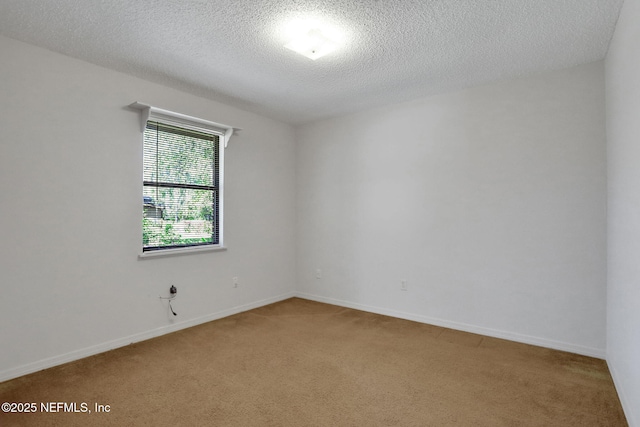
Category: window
<point>182,192</point>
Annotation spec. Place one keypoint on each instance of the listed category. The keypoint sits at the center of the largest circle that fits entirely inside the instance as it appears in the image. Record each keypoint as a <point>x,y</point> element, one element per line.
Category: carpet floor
<point>303,363</point>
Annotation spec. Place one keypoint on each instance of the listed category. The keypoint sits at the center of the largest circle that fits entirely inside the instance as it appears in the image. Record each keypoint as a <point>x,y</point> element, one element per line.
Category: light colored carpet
<point>302,363</point>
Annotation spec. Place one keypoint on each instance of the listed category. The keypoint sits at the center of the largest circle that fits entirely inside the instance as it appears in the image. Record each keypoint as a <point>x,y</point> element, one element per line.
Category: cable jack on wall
<point>173,291</point>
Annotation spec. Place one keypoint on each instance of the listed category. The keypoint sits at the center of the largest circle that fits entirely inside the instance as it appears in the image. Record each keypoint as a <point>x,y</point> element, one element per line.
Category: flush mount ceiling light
<point>312,38</point>
<point>312,44</point>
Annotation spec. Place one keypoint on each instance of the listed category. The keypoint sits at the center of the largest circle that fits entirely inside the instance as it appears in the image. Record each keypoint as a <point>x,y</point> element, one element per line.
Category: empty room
<point>312,213</point>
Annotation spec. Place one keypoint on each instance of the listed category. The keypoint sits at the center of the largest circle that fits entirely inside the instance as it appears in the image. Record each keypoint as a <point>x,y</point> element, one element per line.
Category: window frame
<point>224,132</point>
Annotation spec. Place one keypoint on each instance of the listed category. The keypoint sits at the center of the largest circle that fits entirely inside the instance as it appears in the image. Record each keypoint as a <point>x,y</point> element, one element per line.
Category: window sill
<point>180,251</point>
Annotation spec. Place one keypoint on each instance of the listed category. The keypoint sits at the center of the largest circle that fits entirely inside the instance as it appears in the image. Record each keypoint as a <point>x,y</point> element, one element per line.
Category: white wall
<point>70,202</point>
<point>623,153</point>
<point>490,202</point>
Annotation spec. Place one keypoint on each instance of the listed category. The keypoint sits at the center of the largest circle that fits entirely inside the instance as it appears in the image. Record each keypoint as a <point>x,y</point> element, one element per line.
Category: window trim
<point>181,251</point>
<point>150,113</point>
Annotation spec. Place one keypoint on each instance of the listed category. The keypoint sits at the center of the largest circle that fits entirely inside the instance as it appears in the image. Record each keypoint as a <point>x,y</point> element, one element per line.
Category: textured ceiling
<point>394,50</point>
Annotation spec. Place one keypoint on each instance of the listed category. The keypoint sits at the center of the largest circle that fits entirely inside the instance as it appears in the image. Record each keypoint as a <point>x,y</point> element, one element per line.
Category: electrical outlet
<point>318,274</point>
<point>236,281</point>
<point>403,285</point>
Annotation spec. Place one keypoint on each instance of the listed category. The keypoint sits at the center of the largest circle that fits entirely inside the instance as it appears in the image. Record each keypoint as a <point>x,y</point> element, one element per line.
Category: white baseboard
<point>121,342</point>
<point>525,339</point>
<point>628,409</point>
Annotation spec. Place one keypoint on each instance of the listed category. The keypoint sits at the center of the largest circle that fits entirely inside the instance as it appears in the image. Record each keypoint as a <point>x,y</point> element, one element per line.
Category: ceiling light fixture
<point>312,36</point>
<point>313,44</point>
